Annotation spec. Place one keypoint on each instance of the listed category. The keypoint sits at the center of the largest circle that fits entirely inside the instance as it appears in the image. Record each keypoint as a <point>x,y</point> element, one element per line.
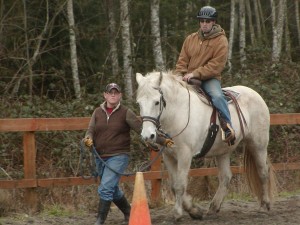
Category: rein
<point>94,154</point>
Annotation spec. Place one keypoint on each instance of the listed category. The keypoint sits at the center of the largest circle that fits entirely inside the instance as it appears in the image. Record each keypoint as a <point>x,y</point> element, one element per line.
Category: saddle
<point>231,97</point>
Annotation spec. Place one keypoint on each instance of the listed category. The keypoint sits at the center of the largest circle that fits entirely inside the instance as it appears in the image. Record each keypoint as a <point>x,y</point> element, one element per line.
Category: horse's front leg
<point>178,172</point>
<point>172,165</point>
<point>225,174</point>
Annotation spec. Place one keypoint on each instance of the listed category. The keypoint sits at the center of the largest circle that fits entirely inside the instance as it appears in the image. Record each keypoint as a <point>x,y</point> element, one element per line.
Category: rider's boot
<point>103,209</point>
<point>125,208</point>
<point>228,134</point>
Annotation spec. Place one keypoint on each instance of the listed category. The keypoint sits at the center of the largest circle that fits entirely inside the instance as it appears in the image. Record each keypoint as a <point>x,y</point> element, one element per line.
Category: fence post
<point>31,196</point>
<point>155,184</point>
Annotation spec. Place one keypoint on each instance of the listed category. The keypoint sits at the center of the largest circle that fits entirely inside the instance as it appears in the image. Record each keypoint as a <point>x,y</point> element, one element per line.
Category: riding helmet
<point>207,12</point>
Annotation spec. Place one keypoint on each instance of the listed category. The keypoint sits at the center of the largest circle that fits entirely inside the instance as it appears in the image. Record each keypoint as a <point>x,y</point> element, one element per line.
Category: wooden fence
<point>30,182</point>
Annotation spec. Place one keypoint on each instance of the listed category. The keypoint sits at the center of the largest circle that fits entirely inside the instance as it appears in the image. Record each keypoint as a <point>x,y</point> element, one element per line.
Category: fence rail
<point>31,125</point>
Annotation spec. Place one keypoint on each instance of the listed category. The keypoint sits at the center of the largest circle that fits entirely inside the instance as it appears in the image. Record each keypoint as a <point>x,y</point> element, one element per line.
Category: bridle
<point>162,105</point>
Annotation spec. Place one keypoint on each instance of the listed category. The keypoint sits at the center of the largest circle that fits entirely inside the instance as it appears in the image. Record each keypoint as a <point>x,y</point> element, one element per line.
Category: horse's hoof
<point>213,209</point>
<point>266,204</point>
<point>177,218</point>
<point>210,215</point>
<point>196,213</point>
<point>196,216</point>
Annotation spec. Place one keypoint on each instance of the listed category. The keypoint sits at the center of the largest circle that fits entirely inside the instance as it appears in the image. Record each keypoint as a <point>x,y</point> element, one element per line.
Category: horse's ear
<point>139,77</point>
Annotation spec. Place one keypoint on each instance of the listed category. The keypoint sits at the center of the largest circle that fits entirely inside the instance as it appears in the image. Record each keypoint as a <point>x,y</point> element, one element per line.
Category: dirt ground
<point>286,210</point>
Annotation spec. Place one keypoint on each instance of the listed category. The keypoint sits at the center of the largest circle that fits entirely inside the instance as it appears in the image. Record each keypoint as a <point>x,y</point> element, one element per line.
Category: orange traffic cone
<point>139,214</point>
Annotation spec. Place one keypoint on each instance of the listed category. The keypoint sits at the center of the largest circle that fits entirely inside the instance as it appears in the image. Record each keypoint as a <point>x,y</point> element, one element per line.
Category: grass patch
<point>57,210</point>
<point>239,196</point>
<point>289,194</point>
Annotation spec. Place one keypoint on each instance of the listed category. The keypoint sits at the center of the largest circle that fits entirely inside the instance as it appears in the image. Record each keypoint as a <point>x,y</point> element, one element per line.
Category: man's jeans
<point>213,88</point>
<point>109,185</point>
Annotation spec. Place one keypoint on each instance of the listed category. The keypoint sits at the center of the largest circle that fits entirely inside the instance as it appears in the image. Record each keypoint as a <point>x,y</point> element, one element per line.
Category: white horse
<point>167,101</point>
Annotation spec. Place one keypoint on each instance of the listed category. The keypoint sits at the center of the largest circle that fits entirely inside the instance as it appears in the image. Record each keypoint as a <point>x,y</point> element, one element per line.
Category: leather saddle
<point>231,97</point>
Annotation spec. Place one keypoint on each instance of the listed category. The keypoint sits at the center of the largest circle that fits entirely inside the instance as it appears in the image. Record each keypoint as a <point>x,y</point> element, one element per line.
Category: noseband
<point>162,105</point>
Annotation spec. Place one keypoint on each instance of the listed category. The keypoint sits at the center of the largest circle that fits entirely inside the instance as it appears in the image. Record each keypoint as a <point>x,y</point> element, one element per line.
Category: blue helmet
<point>207,12</point>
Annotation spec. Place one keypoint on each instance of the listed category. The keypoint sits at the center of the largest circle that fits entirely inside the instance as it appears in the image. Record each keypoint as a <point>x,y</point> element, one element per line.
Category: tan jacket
<point>205,57</point>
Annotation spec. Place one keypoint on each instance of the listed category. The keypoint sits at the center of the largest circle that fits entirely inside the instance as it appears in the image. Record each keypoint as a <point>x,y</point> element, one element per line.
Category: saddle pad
<point>234,93</point>
<point>204,98</point>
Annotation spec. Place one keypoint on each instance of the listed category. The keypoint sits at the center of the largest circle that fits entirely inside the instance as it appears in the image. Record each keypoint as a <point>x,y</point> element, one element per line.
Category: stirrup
<point>228,135</point>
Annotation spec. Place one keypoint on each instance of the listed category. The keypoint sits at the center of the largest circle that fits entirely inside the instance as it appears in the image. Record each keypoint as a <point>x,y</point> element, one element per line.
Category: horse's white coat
<point>185,107</point>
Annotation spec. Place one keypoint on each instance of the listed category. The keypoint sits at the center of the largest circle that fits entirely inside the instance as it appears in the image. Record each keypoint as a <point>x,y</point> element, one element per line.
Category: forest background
<point>57,56</point>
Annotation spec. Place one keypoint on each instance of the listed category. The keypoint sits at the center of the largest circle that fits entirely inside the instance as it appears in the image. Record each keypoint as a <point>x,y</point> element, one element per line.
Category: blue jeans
<point>213,88</point>
<point>109,185</point>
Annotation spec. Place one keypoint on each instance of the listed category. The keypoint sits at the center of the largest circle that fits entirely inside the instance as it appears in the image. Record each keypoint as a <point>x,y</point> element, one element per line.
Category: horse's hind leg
<point>225,174</point>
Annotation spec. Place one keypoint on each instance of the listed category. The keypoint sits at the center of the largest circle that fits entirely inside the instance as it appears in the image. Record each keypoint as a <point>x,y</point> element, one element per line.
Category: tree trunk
<point>30,61</point>
<point>287,36</point>
<point>249,13</point>
<point>231,34</point>
<point>74,65</point>
<point>277,25</point>
<point>112,38</point>
<point>257,19</point>
<point>29,66</point>
<point>262,19</point>
<point>297,19</point>
<point>127,66</point>
<point>242,33</point>
<point>155,32</point>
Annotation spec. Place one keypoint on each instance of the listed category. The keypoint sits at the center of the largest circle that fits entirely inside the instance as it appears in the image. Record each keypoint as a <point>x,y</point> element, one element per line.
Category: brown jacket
<point>205,57</point>
<point>111,133</point>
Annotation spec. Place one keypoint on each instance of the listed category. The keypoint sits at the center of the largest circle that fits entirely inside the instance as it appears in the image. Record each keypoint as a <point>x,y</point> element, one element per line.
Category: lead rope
<point>95,153</point>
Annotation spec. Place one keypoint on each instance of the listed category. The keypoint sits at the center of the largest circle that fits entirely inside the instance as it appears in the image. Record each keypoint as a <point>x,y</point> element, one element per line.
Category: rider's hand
<point>169,143</point>
<point>88,141</point>
<point>187,77</point>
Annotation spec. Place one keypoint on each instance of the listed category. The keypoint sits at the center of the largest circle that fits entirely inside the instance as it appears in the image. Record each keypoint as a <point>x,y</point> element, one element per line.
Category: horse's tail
<point>253,179</point>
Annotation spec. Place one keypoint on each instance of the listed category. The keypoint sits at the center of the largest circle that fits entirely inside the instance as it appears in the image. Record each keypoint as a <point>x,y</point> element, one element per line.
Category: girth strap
<point>211,135</point>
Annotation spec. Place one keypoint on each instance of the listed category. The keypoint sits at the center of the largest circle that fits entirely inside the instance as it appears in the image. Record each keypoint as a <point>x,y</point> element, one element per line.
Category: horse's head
<point>151,101</point>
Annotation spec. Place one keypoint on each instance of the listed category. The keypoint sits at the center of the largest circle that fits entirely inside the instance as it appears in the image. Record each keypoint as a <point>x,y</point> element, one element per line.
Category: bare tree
<point>155,31</point>
<point>297,18</point>
<point>34,43</point>
<point>242,33</point>
<point>277,26</point>
<point>30,61</point>
<point>126,44</point>
<point>231,34</point>
<point>287,36</point>
<point>251,28</point>
<point>74,65</point>
<point>257,18</point>
<point>262,19</point>
<point>113,36</point>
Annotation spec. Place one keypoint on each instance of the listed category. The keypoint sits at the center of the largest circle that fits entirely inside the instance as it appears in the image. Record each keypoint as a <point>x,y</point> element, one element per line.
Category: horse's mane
<point>169,81</point>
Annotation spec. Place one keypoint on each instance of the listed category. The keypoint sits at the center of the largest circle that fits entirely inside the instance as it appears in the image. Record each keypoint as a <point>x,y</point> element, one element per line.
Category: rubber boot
<point>125,208</point>
<point>103,209</point>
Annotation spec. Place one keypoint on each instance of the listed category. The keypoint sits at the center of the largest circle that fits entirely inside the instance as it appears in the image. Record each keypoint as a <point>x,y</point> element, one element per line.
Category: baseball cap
<point>111,86</point>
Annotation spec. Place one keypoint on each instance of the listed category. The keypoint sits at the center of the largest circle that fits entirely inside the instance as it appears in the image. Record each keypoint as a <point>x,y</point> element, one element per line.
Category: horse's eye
<point>156,103</point>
